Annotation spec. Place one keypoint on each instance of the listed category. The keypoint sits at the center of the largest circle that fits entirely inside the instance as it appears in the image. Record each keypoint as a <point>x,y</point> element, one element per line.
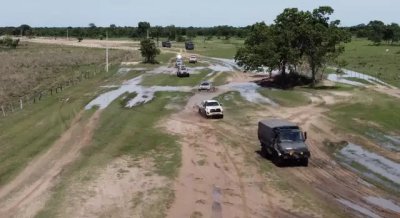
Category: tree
<point>149,50</point>
<point>376,29</point>
<point>295,36</point>
<point>23,29</point>
<point>322,39</point>
<point>157,32</point>
<point>143,27</point>
<point>9,42</point>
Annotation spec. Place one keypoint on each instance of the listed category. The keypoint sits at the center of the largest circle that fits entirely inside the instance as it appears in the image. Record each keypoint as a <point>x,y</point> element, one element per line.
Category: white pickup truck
<point>211,108</point>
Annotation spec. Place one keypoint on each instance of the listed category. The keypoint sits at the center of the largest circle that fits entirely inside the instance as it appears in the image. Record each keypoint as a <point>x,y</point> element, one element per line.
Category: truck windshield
<point>212,104</point>
<point>292,135</point>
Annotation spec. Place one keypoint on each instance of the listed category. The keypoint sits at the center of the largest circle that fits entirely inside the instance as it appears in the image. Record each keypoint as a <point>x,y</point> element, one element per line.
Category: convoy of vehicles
<point>283,141</point>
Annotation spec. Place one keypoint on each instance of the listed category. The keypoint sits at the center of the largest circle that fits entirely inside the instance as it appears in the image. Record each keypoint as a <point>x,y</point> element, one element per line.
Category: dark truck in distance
<point>283,141</point>
<point>189,45</point>
<point>166,44</point>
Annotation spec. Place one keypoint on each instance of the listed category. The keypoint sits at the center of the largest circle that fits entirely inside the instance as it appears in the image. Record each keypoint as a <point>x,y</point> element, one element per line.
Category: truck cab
<point>283,141</point>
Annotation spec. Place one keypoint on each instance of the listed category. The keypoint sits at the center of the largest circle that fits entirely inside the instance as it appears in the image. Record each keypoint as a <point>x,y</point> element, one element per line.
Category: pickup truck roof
<point>274,123</point>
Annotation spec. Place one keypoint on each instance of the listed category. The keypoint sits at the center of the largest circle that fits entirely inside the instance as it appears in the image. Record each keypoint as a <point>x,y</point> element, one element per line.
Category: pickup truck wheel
<point>304,162</point>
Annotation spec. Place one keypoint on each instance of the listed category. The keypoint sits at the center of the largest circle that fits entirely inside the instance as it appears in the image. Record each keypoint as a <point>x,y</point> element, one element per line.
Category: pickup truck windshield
<point>291,135</point>
<point>212,104</point>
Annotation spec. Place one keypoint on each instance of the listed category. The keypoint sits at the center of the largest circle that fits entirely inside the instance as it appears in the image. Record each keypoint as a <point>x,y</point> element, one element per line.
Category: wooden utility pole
<point>107,52</point>
<point>67,34</point>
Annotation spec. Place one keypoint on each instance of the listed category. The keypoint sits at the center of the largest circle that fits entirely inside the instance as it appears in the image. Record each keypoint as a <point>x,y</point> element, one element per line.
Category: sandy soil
<point>125,188</point>
<point>90,43</point>
<point>28,192</point>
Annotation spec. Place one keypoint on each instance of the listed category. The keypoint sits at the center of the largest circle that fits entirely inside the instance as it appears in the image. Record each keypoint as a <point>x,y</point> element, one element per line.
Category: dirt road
<point>215,179</point>
<point>27,193</point>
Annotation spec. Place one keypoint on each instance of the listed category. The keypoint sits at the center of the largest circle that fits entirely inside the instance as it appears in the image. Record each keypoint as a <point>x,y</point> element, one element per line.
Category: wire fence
<point>17,105</point>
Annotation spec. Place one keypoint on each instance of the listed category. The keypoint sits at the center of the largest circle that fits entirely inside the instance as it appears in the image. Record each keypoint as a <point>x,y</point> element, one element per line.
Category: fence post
<point>20,104</point>
<point>2,109</point>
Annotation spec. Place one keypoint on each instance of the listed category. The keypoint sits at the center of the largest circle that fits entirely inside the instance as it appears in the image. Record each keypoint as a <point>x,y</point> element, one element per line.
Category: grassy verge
<point>371,111</point>
<point>173,80</point>
<point>30,132</point>
<point>286,98</point>
<point>127,132</point>
<point>373,60</point>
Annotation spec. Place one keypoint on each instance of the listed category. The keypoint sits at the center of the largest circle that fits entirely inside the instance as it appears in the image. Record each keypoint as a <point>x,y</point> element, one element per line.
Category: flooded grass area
<point>173,80</point>
<point>249,91</point>
<point>375,168</point>
<point>358,208</point>
<point>384,203</point>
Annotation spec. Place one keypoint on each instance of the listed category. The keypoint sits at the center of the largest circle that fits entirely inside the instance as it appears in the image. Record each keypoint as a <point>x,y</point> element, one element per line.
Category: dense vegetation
<point>296,37</point>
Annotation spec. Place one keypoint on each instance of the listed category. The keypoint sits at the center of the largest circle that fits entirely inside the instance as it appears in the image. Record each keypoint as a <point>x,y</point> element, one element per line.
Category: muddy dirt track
<point>216,181</point>
<point>27,193</point>
<point>222,174</point>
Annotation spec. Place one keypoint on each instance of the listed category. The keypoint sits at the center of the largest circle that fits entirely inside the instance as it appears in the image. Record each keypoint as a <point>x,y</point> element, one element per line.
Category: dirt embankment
<point>28,193</point>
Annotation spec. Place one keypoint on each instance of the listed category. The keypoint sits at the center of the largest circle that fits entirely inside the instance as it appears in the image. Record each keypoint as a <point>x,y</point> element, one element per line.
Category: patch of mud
<point>375,163</point>
<point>383,203</point>
<point>125,188</point>
<point>358,208</point>
<point>144,94</point>
<point>248,90</point>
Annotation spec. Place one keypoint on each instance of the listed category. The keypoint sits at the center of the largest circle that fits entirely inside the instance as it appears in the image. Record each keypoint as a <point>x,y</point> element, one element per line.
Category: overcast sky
<point>183,12</point>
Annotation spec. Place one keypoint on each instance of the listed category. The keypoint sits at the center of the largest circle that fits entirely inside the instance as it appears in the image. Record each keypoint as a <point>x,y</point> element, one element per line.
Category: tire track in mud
<point>218,176</point>
<point>29,191</point>
<point>324,174</point>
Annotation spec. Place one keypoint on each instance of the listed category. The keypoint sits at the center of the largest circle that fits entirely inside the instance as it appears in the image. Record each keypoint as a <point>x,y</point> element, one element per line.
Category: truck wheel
<point>278,160</point>
<point>264,152</point>
<point>304,162</point>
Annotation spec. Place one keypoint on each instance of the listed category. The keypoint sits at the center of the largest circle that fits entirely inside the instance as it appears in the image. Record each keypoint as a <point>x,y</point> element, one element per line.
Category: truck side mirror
<point>305,136</point>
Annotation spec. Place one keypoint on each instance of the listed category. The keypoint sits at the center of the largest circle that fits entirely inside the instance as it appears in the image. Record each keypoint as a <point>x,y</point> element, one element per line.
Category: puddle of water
<point>373,162</point>
<point>388,142</point>
<point>350,73</point>
<point>358,208</point>
<point>249,91</point>
<point>340,79</point>
<point>384,203</point>
<point>144,94</point>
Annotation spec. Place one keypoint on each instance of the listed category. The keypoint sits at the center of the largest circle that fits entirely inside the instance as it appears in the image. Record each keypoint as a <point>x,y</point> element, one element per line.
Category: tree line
<point>377,32</point>
<point>170,32</point>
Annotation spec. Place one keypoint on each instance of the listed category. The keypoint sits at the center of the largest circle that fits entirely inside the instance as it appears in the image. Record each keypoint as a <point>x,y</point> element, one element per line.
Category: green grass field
<point>218,48</point>
<point>369,111</point>
<point>366,58</point>
<point>30,132</point>
<point>286,98</point>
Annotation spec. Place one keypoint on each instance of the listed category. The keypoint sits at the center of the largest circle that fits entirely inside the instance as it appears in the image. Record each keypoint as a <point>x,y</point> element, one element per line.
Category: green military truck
<point>283,141</point>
